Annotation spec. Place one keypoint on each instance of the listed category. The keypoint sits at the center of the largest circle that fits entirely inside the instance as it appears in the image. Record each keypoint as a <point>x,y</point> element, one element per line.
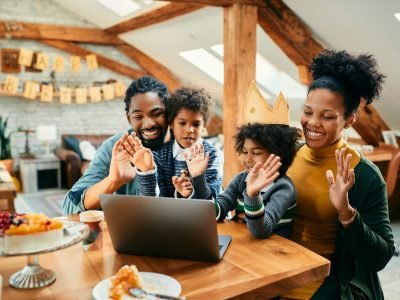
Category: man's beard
<point>153,144</point>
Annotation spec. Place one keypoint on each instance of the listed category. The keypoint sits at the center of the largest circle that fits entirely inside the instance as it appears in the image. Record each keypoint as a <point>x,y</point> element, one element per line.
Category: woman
<point>345,216</point>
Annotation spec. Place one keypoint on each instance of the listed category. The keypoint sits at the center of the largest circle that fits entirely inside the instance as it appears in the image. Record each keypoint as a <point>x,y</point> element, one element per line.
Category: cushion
<point>87,150</point>
<point>72,143</point>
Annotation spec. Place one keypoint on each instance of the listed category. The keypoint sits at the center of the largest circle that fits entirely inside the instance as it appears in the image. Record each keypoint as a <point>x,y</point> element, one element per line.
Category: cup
<point>94,220</point>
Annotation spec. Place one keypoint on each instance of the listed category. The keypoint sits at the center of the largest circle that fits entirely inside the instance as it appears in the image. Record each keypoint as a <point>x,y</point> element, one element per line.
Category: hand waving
<point>140,156</point>
<point>121,170</point>
<point>338,190</point>
<point>262,175</point>
<point>198,162</point>
<point>183,184</point>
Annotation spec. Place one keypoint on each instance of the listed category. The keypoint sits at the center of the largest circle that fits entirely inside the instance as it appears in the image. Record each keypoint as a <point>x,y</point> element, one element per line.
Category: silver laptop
<point>164,227</point>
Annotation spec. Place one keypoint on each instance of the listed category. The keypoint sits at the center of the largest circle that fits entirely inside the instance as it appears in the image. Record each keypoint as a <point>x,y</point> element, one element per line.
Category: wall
<point>105,117</point>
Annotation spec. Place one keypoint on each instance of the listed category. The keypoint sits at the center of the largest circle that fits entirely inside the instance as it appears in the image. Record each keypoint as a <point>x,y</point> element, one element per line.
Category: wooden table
<point>250,269</point>
<point>7,188</point>
<point>379,154</point>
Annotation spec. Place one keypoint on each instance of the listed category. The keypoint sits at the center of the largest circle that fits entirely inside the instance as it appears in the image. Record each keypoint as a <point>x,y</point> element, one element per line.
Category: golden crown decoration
<point>258,110</point>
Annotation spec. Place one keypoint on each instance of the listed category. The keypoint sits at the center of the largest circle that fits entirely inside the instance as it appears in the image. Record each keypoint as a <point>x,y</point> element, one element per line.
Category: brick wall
<point>105,117</point>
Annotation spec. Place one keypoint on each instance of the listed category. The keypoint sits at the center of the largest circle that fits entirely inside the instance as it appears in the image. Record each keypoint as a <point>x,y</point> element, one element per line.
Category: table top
<point>250,268</point>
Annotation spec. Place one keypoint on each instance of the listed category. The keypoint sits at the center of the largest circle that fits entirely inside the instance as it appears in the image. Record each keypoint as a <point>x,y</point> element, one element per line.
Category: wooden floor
<point>50,202</point>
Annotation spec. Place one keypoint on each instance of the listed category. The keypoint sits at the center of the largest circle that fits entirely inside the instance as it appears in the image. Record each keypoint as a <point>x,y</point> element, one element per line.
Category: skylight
<point>397,16</point>
<point>206,62</point>
<point>121,7</point>
<point>270,78</point>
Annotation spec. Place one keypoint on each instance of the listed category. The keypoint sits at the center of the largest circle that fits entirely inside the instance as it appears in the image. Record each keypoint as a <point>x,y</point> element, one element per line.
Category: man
<point>111,170</point>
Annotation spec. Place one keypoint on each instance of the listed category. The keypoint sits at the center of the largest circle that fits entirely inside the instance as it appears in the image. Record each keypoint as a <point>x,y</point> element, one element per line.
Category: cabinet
<point>40,173</point>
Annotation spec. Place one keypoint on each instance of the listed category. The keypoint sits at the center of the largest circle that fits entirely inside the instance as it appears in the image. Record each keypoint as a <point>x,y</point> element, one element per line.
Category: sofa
<point>75,153</point>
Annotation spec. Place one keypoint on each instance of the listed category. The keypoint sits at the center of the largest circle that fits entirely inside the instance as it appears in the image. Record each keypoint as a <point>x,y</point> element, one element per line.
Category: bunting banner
<point>42,61</point>
<point>47,93</point>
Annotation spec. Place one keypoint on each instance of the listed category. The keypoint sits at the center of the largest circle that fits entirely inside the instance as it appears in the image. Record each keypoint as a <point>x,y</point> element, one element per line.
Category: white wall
<point>105,117</point>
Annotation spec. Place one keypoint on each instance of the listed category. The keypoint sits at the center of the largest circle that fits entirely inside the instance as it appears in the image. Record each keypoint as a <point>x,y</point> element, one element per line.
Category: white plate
<point>153,282</point>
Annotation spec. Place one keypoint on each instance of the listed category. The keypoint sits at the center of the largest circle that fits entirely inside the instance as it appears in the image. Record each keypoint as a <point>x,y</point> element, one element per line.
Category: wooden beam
<point>151,66</point>
<point>23,30</point>
<point>288,32</point>
<point>102,60</point>
<point>158,15</point>
<point>369,124</point>
<point>304,74</point>
<point>258,3</point>
<point>240,23</point>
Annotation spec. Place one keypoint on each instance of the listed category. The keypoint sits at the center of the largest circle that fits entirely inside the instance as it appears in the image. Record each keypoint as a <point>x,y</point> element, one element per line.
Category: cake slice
<point>127,277</point>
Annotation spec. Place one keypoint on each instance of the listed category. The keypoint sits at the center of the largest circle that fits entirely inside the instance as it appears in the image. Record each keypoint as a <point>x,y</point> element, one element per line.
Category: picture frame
<point>389,137</point>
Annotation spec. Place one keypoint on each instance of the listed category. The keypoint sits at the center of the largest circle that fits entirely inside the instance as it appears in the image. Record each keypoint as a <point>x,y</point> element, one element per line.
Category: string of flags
<point>46,92</point>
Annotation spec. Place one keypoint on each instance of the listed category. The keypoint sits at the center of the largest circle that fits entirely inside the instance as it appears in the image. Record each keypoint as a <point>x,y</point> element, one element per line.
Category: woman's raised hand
<point>339,188</point>
<point>198,162</point>
<point>261,175</point>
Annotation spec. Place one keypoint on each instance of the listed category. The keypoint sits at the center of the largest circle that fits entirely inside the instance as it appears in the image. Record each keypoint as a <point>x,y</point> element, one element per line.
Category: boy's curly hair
<point>194,99</point>
<point>281,140</point>
<point>144,85</point>
<point>354,77</point>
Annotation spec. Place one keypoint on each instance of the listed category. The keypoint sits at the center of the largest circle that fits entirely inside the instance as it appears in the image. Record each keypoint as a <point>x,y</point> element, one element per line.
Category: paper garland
<point>46,93</point>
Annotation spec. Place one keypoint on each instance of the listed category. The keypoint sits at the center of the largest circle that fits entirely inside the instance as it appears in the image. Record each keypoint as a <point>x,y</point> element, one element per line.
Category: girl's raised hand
<point>261,175</point>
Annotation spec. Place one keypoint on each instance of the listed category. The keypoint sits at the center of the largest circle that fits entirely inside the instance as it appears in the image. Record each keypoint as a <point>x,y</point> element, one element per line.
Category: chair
<point>391,175</point>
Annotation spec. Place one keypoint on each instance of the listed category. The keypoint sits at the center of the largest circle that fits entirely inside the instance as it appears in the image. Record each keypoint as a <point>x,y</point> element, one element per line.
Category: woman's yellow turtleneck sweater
<point>315,225</point>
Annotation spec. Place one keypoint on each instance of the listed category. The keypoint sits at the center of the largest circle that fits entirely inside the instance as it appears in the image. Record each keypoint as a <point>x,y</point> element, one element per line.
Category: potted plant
<point>5,145</point>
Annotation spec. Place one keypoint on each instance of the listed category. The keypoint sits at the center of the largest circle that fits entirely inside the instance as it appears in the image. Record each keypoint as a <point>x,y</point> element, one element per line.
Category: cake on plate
<point>29,232</point>
<point>127,277</point>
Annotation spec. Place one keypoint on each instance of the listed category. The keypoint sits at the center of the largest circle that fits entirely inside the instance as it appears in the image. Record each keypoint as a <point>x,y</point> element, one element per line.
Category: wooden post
<point>239,70</point>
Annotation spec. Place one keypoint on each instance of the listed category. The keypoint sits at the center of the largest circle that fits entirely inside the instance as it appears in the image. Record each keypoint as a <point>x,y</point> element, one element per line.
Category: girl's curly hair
<point>354,77</point>
<point>281,140</point>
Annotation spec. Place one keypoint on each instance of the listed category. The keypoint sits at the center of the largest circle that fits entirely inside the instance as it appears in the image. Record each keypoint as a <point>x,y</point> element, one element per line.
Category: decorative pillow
<point>87,150</point>
<point>72,143</point>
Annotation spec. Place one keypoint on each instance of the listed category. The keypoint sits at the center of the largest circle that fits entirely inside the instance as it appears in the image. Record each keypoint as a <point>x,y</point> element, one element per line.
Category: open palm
<point>121,169</point>
<point>345,178</point>
<point>261,175</point>
<point>198,162</point>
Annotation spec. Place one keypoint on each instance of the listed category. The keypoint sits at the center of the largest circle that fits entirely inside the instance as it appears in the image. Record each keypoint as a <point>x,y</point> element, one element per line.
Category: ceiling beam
<point>23,30</point>
<point>259,3</point>
<point>288,32</point>
<point>155,16</point>
<point>151,66</point>
<point>102,60</point>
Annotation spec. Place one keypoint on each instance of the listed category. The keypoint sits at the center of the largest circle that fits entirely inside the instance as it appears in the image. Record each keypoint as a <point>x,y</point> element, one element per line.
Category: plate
<point>74,232</point>
<point>153,282</point>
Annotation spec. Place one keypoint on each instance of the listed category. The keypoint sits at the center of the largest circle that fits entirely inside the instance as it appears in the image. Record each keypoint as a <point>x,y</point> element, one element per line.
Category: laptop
<point>164,227</point>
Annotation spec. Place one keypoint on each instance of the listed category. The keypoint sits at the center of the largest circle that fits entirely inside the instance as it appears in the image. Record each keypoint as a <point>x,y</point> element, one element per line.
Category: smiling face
<point>147,117</point>
<point>322,118</point>
<point>252,154</point>
<point>187,127</point>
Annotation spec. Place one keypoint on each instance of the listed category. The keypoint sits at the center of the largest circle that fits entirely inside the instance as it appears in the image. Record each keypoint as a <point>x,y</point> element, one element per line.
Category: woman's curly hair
<point>194,99</point>
<point>281,140</point>
<point>354,77</point>
<point>144,85</point>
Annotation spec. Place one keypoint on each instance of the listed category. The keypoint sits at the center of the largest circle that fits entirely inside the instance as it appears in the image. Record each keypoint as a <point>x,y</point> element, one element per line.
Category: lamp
<point>46,134</point>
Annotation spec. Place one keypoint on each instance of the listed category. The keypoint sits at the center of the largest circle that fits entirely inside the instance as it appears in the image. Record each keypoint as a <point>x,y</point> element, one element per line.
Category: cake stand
<point>33,275</point>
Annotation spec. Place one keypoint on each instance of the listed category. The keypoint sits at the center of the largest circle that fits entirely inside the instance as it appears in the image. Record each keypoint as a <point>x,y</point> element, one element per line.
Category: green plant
<point>5,142</point>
